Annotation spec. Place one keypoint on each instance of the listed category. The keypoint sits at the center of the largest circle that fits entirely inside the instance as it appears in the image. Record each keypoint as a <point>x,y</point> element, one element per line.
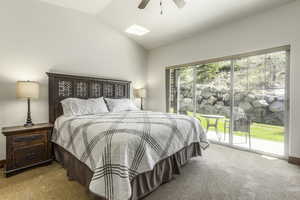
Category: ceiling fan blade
<point>143,4</point>
<point>179,3</point>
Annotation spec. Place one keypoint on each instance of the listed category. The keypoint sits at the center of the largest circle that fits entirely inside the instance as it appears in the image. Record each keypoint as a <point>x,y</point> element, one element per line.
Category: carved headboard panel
<point>62,86</point>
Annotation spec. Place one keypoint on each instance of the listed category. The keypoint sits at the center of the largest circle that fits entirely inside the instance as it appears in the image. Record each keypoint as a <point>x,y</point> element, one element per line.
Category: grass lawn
<point>261,131</point>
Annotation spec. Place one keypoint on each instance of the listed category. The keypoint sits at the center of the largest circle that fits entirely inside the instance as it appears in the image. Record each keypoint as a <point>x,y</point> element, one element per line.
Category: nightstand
<point>27,147</point>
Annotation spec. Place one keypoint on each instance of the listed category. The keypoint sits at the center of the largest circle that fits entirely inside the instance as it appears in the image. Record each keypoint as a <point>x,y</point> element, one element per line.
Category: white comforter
<point>119,146</point>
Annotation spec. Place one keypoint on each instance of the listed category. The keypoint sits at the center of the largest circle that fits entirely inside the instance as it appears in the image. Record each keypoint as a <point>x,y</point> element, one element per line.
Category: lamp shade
<point>140,93</point>
<point>27,89</point>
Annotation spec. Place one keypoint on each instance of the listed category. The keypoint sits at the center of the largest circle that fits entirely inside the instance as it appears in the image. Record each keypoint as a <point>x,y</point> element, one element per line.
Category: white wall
<point>36,38</point>
<point>273,28</point>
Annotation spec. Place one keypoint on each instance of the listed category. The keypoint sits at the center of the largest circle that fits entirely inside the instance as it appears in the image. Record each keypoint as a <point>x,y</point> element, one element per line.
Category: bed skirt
<point>143,184</point>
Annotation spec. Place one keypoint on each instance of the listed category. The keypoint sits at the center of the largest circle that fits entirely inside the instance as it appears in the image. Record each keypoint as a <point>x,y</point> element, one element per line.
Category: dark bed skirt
<point>144,183</point>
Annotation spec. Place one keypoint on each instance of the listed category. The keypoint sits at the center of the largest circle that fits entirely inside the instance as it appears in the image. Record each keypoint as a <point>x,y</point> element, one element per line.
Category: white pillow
<point>96,105</point>
<point>118,105</point>
<point>75,106</point>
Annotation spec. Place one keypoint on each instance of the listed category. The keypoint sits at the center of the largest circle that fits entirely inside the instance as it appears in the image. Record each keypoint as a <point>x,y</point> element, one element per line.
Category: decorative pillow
<point>118,105</point>
<point>75,106</point>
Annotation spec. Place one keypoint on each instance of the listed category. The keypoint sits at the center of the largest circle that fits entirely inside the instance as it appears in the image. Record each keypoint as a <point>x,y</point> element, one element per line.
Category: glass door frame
<point>286,113</point>
<point>232,59</point>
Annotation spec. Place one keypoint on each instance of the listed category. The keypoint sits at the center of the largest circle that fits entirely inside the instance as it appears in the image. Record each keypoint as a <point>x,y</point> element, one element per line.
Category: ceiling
<point>88,6</point>
<point>175,24</point>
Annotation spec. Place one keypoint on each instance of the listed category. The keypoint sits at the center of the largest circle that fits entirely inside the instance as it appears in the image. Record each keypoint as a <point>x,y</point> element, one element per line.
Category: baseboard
<point>294,160</point>
<point>2,162</point>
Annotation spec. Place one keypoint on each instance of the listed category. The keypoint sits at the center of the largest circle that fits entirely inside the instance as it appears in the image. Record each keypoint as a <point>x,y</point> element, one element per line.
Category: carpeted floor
<point>221,174</point>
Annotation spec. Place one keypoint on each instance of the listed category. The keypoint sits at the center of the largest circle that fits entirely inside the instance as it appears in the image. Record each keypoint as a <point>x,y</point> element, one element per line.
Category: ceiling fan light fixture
<point>179,3</point>
<point>137,30</point>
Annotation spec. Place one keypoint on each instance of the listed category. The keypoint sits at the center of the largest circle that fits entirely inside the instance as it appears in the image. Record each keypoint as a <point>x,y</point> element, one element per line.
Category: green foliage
<point>208,72</point>
<point>252,73</point>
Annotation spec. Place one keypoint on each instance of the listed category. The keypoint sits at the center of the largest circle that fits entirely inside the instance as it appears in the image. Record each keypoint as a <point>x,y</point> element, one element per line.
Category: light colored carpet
<point>221,174</point>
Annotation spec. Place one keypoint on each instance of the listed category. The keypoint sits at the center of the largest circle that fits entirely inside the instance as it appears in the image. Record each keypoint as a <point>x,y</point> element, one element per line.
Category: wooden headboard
<point>62,86</point>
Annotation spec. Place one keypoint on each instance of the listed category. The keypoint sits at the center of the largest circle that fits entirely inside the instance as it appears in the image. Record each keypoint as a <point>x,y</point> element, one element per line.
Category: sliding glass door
<point>260,91</point>
<point>212,88</point>
<point>240,101</point>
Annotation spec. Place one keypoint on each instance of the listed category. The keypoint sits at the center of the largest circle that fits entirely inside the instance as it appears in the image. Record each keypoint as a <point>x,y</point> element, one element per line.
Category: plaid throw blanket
<point>119,146</point>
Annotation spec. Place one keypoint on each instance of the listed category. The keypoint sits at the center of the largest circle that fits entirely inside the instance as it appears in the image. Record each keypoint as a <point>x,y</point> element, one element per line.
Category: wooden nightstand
<point>27,147</point>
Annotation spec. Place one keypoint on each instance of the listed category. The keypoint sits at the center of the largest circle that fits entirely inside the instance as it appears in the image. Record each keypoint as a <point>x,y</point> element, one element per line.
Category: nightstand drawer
<point>29,139</point>
<point>29,155</point>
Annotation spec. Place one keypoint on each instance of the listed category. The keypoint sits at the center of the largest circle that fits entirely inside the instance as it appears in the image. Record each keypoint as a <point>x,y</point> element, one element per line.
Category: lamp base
<point>28,121</point>
<point>28,124</point>
<point>142,104</point>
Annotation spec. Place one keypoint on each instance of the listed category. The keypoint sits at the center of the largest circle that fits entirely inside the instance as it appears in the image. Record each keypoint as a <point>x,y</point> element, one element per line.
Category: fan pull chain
<point>161,8</point>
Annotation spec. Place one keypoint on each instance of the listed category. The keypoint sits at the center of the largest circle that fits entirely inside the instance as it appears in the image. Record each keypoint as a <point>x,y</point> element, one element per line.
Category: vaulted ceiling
<point>175,24</point>
<point>88,6</point>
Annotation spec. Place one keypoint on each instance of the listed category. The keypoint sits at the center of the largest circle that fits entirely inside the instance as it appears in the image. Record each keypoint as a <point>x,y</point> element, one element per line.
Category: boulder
<point>223,110</point>
<point>277,106</point>
<point>258,115</point>
<point>199,99</point>
<point>250,98</point>
<point>186,107</point>
<point>204,102</point>
<point>280,98</point>
<point>186,104</point>
<point>187,101</point>
<point>275,119</point>
<point>187,93</point>
<point>224,90</point>
<point>211,100</point>
<point>238,113</point>
<point>246,106</point>
<point>200,86</point>
<point>198,92</point>
<point>226,97</point>
<point>206,109</point>
<point>238,97</point>
<point>213,89</point>
<point>260,97</point>
<point>219,95</point>
<point>260,103</point>
<point>269,99</point>
<point>206,93</point>
<point>219,103</point>
<point>262,107</point>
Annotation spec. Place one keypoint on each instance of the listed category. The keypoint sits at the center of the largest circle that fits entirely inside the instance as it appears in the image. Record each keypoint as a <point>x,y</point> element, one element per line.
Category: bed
<point>119,155</point>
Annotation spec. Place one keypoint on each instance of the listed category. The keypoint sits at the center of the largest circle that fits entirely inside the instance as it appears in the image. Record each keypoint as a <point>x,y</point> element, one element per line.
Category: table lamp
<point>140,93</point>
<point>28,90</point>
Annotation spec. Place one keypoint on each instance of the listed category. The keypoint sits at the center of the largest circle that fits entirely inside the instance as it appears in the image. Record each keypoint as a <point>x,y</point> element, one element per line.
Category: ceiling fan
<point>179,3</point>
